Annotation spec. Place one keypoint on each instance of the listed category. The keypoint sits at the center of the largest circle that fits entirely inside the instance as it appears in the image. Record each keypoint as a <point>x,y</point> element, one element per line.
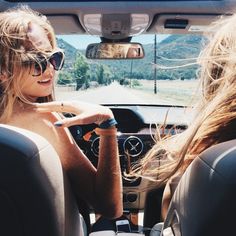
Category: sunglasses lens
<point>57,60</point>
<point>40,67</point>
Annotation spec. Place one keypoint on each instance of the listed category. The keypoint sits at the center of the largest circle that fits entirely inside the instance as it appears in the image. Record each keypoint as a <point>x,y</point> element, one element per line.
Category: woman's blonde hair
<point>215,113</point>
<point>16,48</point>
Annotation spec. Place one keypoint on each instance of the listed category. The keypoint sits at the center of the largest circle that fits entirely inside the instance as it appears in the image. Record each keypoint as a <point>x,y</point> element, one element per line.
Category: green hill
<point>70,53</point>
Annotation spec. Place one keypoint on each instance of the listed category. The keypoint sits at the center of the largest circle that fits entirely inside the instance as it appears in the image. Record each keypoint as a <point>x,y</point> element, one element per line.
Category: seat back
<point>204,202</point>
<point>35,196</point>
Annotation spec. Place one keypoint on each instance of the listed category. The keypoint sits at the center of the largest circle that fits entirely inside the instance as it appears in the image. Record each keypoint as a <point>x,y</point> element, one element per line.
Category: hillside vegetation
<point>175,51</point>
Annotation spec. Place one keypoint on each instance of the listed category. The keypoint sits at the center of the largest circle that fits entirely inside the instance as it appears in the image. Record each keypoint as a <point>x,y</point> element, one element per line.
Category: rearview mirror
<point>114,51</point>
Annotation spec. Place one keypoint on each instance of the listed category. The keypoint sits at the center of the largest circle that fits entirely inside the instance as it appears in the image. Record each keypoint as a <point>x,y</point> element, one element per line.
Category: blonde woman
<point>215,113</point>
<point>28,61</point>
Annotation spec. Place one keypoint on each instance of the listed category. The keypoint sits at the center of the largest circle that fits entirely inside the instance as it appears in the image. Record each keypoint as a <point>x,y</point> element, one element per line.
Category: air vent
<point>133,146</point>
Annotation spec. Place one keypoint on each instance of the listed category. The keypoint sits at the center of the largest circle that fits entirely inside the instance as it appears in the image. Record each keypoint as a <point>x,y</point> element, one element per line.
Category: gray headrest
<point>33,194</point>
<point>204,202</point>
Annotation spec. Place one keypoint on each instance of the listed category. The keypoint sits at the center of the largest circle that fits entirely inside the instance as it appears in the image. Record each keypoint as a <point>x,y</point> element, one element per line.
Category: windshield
<point>173,81</point>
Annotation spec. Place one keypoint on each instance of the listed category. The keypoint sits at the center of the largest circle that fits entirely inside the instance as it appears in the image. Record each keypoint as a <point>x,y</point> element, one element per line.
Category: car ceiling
<point>117,20</point>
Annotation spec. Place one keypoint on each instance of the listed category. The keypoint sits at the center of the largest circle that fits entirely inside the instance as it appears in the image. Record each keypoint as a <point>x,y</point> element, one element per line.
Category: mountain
<point>70,53</point>
<point>180,46</point>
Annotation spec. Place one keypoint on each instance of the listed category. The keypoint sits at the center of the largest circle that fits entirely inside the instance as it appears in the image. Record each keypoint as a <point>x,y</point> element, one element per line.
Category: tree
<point>81,68</point>
<point>107,75</point>
<point>136,83</point>
<point>64,78</point>
<point>100,75</point>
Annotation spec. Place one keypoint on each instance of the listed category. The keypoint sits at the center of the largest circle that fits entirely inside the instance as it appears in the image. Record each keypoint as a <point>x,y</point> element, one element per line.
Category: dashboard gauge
<point>95,146</point>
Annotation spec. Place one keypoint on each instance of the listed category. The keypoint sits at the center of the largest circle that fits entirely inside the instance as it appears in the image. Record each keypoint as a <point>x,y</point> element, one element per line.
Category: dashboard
<point>136,130</point>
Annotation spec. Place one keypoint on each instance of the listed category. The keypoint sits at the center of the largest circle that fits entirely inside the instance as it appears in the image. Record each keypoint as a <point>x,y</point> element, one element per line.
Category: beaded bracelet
<point>108,123</point>
<point>106,128</point>
<point>98,131</point>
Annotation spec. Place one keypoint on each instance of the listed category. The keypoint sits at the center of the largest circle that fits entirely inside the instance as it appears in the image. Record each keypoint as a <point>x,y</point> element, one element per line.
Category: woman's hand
<point>85,113</point>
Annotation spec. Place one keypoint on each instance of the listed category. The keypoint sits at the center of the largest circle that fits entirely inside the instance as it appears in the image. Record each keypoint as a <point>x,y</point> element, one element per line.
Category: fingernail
<point>58,124</point>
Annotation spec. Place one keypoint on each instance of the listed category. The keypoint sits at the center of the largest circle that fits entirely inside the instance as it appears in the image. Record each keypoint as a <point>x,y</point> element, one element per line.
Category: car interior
<point>35,195</point>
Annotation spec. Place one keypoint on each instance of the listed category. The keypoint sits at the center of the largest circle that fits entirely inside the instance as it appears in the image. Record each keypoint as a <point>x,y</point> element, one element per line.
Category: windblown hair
<point>215,114</point>
<point>16,48</point>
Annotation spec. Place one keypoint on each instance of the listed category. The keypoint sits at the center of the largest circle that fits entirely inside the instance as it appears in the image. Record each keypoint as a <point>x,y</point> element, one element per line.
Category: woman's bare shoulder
<point>33,120</point>
<point>43,124</point>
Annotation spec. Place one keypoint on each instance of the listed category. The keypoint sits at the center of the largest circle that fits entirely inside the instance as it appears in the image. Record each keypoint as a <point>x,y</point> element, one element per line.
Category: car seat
<point>204,202</point>
<point>35,195</point>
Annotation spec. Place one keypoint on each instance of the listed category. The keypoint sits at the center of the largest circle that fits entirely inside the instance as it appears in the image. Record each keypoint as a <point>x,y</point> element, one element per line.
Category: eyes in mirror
<point>115,51</point>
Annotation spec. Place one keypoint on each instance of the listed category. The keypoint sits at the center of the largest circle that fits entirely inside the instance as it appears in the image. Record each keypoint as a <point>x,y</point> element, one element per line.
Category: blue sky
<point>82,41</point>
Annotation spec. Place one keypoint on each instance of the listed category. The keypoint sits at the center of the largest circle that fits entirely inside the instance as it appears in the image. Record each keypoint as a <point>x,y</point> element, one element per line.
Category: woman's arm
<point>166,198</point>
<point>168,193</point>
<point>108,181</point>
<point>101,187</point>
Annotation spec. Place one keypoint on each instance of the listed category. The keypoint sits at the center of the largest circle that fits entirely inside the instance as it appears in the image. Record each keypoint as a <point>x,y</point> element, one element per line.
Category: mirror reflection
<point>115,51</point>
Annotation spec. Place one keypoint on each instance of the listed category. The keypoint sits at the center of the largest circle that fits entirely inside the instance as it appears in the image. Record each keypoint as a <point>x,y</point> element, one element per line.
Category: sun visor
<point>65,24</point>
<point>181,23</point>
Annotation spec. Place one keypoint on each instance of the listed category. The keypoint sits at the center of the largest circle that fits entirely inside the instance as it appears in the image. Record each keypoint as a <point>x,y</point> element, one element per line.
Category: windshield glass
<point>132,81</point>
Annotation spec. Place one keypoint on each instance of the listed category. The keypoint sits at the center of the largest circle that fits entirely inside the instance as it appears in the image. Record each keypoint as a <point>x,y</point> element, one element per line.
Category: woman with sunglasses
<point>28,60</point>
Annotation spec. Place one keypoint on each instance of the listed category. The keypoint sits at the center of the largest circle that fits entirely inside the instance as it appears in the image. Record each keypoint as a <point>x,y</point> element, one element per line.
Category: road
<point>111,94</point>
